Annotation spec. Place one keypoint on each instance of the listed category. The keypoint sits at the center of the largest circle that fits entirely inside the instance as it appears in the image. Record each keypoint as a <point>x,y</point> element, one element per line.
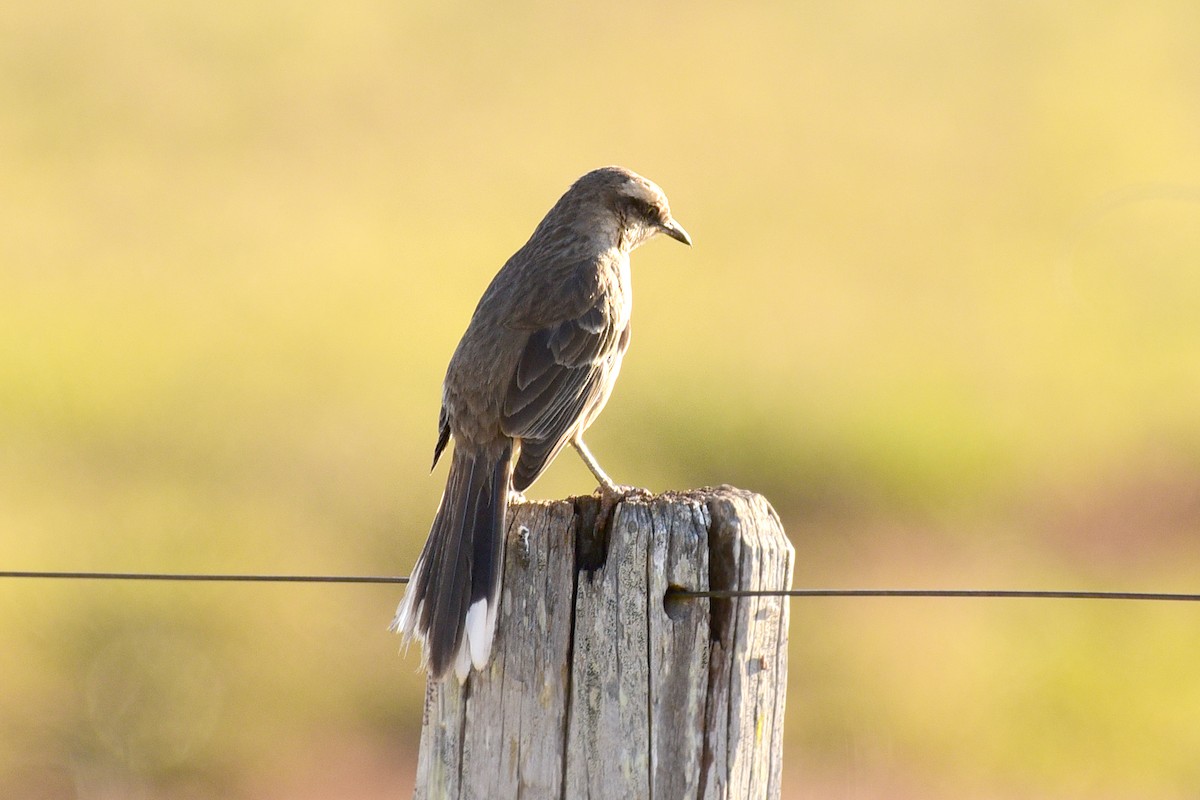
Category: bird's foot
<point>612,495</point>
<point>515,497</point>
<point>616,492</point>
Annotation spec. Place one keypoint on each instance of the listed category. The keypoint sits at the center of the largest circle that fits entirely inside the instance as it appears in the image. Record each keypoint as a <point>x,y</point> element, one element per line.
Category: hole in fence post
<point>673,602</point>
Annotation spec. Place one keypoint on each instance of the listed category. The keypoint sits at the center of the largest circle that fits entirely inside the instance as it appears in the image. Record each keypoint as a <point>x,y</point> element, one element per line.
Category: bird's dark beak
<point>675,231</point>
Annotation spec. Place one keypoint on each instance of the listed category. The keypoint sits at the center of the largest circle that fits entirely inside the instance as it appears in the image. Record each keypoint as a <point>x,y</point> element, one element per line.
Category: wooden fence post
<point>601,684</point>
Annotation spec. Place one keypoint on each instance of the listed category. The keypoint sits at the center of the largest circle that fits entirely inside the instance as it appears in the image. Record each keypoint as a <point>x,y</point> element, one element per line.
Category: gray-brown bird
<point>533,370</point>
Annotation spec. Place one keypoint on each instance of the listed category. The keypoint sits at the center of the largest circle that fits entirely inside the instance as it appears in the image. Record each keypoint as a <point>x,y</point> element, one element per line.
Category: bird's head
<point>631,208</point>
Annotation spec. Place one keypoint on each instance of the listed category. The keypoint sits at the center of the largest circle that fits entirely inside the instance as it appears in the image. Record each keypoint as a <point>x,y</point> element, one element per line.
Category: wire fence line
<point>1031,594</point>
<point>715,594</point>
<point>210,577</point>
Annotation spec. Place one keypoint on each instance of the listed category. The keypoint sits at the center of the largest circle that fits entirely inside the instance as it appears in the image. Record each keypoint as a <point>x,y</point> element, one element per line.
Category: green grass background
<point>943,310</point>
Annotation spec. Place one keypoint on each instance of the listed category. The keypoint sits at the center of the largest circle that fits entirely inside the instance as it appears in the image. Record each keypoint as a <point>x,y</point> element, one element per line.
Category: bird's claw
<point>617,492</point>
<point>612,495</point>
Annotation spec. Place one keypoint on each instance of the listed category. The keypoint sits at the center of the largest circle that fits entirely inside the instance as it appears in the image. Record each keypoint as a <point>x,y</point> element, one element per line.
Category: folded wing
<point>559,377</point>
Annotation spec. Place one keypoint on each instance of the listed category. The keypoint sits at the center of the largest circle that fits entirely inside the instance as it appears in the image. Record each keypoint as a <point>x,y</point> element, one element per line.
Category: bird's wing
<point>558,377</point>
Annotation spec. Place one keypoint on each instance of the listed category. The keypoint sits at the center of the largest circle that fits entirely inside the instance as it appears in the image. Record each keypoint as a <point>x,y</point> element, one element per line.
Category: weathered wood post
<point>604,685</point>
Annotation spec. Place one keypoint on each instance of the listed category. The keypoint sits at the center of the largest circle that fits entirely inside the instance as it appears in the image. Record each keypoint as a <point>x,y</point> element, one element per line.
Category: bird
<point>534,368</point>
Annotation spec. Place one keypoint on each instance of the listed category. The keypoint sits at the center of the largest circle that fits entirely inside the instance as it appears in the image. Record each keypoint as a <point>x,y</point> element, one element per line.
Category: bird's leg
<point>607,485</point>
<point>515,497</point>
<point>610,491</point>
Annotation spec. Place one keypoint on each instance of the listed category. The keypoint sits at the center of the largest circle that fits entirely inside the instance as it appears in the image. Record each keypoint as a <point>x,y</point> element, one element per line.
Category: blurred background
<point>943,310</point>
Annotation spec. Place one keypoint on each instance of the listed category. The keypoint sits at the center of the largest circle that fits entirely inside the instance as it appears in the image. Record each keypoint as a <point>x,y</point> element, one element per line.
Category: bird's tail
<point>450,604</point>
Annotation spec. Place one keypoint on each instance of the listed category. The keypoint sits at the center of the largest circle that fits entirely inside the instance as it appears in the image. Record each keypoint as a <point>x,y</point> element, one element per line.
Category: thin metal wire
<point>170,576</point>
<point>714,594</point>
<point>1037,594</point>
